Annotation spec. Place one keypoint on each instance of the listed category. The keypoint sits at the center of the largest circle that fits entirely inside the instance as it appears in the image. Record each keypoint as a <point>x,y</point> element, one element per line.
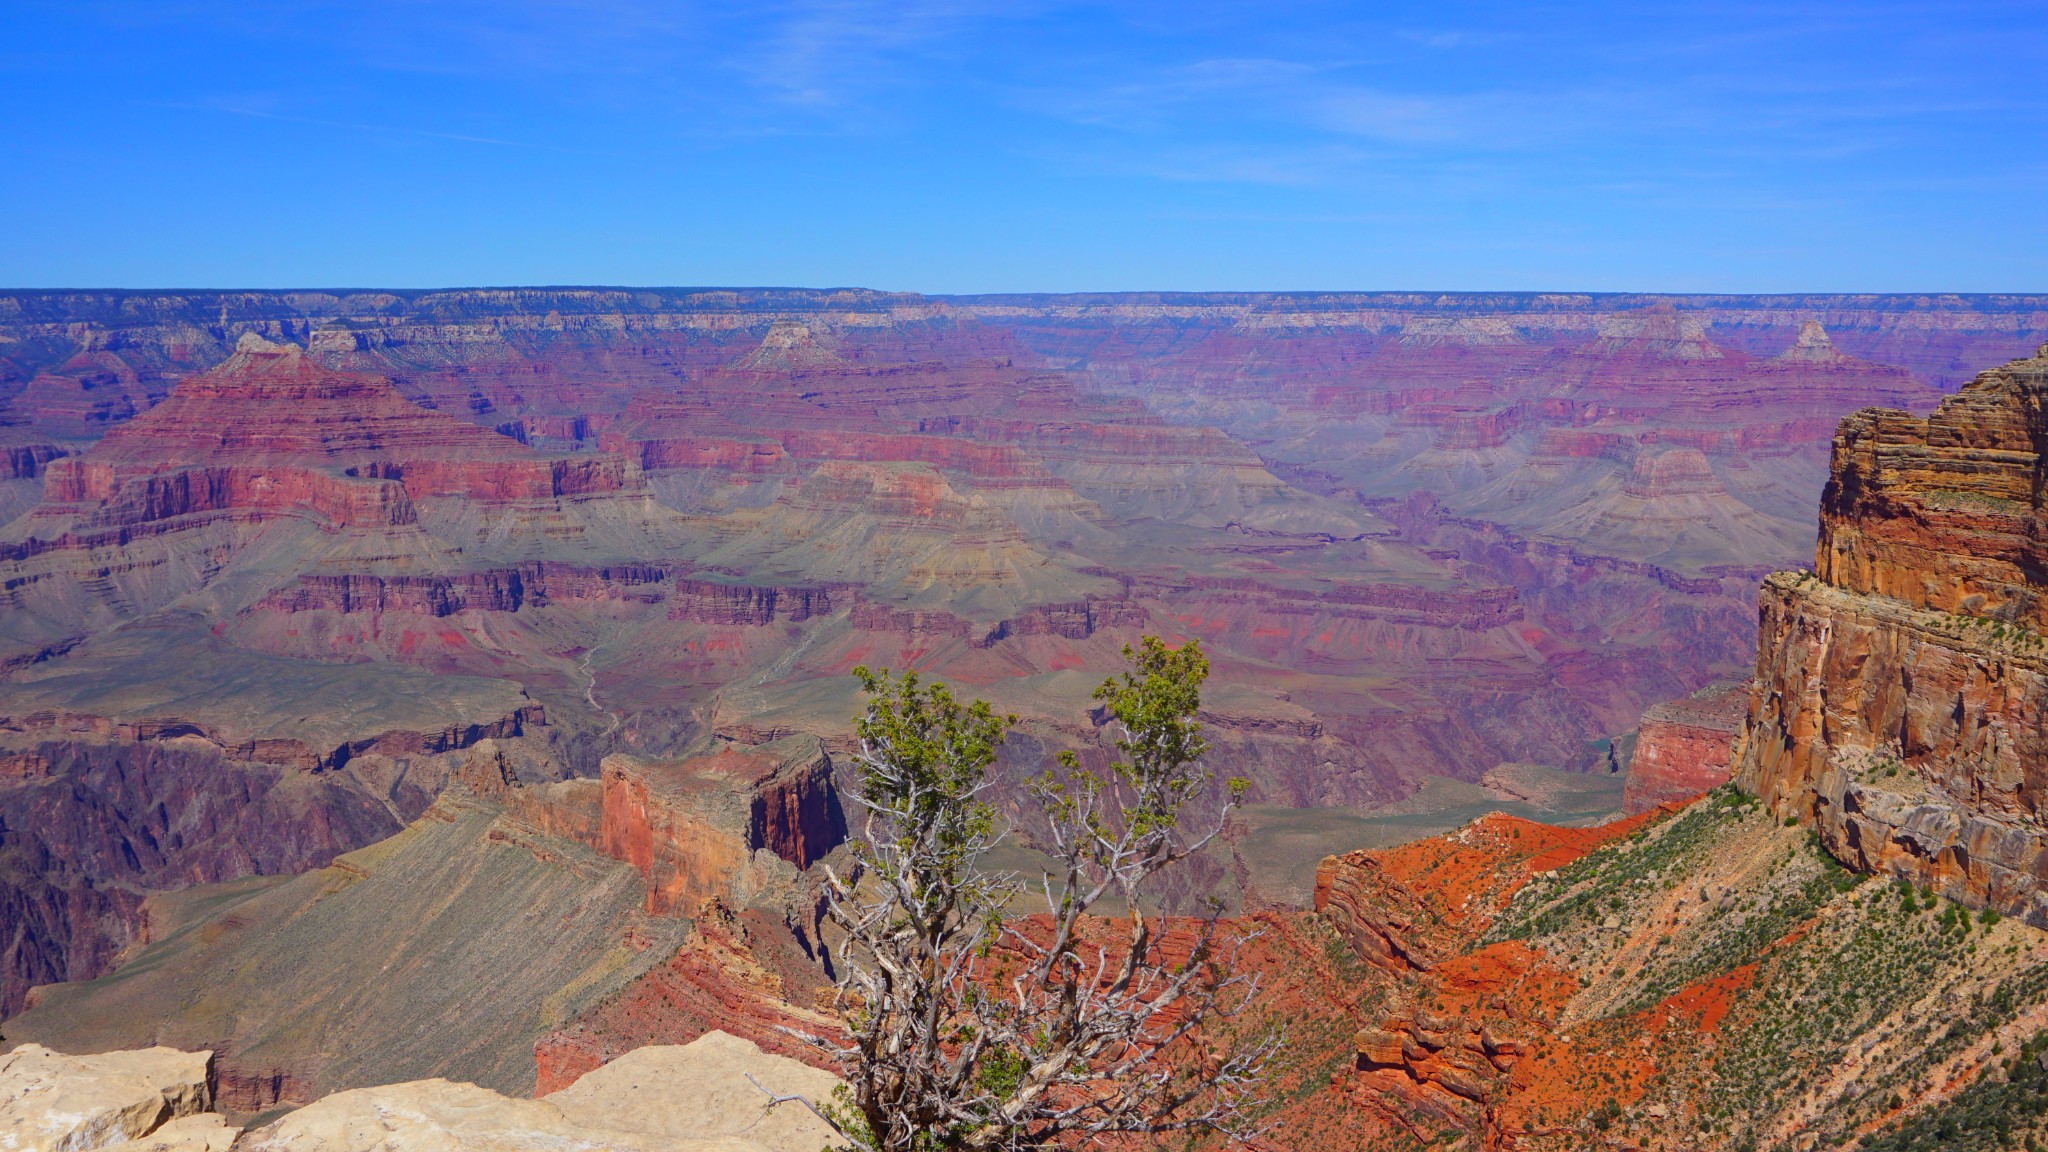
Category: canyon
<point>448,624</point>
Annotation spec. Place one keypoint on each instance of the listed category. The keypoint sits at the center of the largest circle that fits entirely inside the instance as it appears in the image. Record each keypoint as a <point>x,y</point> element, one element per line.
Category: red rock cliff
<point>271,432</point>
<point>1945,512</point>
<point>1684,747</point>
<point>1901,705</point>
<point>689,826</point>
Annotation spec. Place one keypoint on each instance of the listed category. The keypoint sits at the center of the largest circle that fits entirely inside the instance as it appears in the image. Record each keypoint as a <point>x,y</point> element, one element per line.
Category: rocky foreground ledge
<point>718,1093</point>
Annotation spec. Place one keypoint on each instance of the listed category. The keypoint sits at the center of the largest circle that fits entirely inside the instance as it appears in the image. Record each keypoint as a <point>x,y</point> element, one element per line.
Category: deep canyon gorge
<point>505,635</point>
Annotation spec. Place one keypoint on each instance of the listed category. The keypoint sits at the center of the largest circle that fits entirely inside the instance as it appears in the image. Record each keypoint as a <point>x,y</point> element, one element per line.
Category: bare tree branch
<point>967,1029</point>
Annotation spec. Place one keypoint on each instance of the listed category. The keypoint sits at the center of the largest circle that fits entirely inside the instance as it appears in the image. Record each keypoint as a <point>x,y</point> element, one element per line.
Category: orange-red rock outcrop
<point>1902,684</point>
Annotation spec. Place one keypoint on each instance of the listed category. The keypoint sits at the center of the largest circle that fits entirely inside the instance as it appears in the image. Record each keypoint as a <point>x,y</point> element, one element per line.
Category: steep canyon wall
<point>1900,693</point>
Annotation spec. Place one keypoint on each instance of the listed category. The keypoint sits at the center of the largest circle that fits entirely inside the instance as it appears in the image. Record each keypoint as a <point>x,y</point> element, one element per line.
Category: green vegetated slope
<point>1740,989</point>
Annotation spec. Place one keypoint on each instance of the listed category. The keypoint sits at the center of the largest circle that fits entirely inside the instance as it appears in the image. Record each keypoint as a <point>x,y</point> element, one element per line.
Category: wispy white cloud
<point>743,68</point>
<point>830,52</point>
<point>1685,105</point>
<point>1300,97</point>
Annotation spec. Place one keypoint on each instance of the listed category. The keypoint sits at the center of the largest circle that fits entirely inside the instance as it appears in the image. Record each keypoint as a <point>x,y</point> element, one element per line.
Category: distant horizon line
<point>2037,298</point>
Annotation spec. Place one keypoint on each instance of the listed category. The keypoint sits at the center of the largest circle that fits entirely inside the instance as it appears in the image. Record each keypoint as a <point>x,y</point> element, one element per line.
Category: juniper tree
<point>971,1027</point>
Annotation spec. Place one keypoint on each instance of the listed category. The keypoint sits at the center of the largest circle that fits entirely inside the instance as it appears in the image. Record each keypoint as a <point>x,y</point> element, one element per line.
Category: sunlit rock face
<point>1945,512</point>
<point>1901,686</point>
<point>1684,747</point>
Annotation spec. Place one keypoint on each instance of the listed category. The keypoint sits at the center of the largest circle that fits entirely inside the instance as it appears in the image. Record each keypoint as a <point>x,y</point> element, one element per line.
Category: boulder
<point>50,1102</point>
<point>718,1085</point>
<point>717,1094</point>
<point>206,1132</point>
<point>446,1116</point>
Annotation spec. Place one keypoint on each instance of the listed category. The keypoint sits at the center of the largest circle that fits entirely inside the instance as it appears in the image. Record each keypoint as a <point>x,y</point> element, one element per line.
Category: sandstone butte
<point>1900,684</point>
<point>371,453</point>
<point>1684,747</point>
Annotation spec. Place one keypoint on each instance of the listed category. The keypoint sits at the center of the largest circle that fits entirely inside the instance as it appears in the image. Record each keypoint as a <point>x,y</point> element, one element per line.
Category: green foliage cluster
<point>966,1031</point>
<point>1155,704</point>
<point>1614,878</point>
<point>940,749</point>
<point>2003,1112</point>
<point>1880,767</point>
<point>1882,954</point>
<point>1980,628</point>
<point>1806,883</point>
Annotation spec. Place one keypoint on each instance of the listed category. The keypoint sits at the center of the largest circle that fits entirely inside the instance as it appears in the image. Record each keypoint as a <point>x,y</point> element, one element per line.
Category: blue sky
<point>938,146</point>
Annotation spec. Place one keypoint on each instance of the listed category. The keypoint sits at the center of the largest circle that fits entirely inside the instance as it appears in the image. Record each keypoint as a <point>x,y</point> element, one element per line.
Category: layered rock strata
<point>1684,747</point>
<point>95,816</point>
<point>322,489</point>
<point>346,450</point>
<point>691,826</point>
<point>746,973</point>
<point>1459,1013</point>
<point>1945,513</point>
<point>536,584</point>
<point>1901,686</point>
<point>1704,976</point>
<point>573,892</point>
<point>486,932</point>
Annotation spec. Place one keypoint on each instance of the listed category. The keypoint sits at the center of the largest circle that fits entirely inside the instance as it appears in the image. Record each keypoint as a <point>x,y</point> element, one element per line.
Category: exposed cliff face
<point>714,602</point>
<point>1418,534</point>
<point>1900,691</point>
<point>607,869</point>
<point>494,590</point>
<point>1685,747</point>
<point>269,407</point>
<point>99,494</point>
<point>692,826</point>
<point>739,972</point>
<point>1910,740</point>
<point>1945,512</point>
<point>271,462</point>
<point>489,932</point>
<point>1412,908</point>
